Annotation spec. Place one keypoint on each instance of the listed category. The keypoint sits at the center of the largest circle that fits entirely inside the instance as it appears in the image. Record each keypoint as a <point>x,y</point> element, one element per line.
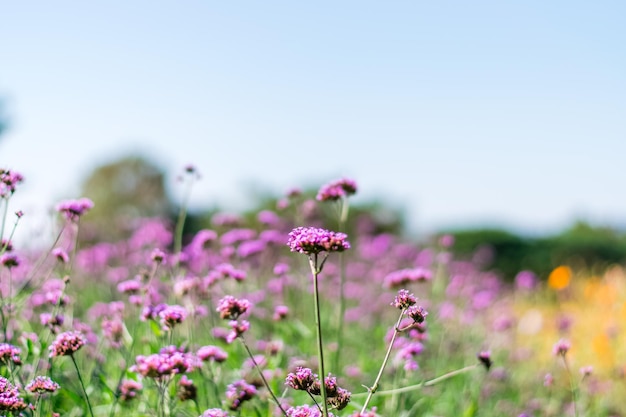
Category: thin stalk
<point>82,384</point>
<point>572,386</point>
<point>4,216</point>
<point>267,385</point>
<point>371,390</point>
<point>320,346</point>
<point>421,385</point>
<point>180,222</point>
<point>343,216</point>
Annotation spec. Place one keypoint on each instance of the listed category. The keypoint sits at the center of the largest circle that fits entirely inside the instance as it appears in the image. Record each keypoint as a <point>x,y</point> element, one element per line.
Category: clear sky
<point>462,112</point>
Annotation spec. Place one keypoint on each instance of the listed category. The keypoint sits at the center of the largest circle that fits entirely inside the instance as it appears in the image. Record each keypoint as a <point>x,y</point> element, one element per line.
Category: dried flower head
<point>485,358</point>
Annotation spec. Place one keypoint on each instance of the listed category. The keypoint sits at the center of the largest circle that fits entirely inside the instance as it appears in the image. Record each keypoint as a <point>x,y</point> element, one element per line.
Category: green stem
<point>267,385</point>
<point>180,223</point>
<point>82,384</point>
<point>421,385</point>
<point>572,386</point>
<point>371,390</point>
<point>320,347</point>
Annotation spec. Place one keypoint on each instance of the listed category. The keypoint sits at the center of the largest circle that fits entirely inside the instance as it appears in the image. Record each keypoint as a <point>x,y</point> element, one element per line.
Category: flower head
<point>417,313</point>
<point>230,308</point>
<point>10,353</point>
<point>302,379</point>
<point>309,240</point>
<point>485,358</point>
<point>67,343</point>
<point>73,209</point>
<point>561,347</point>
<point>404,300</point>
<point>9,397</point>
<point>172,315</point>
<point>42,384</point>
<point>129,389</point>
<point>212,353</point>
<point>214,412</point>
<point>8,182</point>
<point>336,189</point>
<point>238,392</point>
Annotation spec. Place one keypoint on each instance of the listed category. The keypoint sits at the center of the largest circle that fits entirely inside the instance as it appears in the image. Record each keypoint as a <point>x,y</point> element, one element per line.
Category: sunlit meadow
<point>283,315</point>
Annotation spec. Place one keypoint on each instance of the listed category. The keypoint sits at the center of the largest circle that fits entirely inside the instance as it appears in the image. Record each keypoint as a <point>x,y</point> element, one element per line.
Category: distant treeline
<point>581,246</point>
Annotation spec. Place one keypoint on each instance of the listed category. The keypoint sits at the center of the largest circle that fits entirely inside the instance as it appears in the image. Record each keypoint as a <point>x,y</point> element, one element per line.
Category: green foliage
<point>582,245</point>
<point>124,191</point>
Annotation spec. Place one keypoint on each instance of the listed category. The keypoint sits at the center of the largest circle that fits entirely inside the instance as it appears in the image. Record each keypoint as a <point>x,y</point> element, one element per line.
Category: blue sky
<point>462,113</point>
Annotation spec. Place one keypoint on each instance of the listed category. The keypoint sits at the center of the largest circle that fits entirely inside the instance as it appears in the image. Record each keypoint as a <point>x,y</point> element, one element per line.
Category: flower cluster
<point>172,315</point>
<point>238,392</point>
<point>67,343</point>
<point>231,308</point>
<point>214,412</point>
<point>169,361</point>
<point>305,411</point>
<point>211,353</point>
<point>42,384</point>
<point>336,189</point>
<point>129,389</point>
<point>10,353</point>
<point>310,240</point>
<point>10,399</point>
<point>73,209</point>
<point>8,182</point>
<point>404,300</point>
<point>303,379</point>
<point>407,276</point>
<point>561,348</point>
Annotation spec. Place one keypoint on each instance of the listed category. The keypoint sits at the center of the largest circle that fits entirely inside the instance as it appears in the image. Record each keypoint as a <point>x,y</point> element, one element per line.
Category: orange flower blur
<point>560,277</point>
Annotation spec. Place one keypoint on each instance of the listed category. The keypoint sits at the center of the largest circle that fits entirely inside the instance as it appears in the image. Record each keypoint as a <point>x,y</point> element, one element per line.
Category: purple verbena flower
<point>8,182</point>
<point>485,358</point>
<point>302,379</point>
<point>73,209</point>
<point>42,384</point>
<point>10,353</point>
<point>238,392</point>
<point>237,329</point>
<point>407,276</point>
<point>9,397</point>
<point>561,347</point>
<point>186,389</point>
<point>336,189</point>
<point>404,300</point>
<point>9,260</point>
<point>215,412</point>
<point>61,255</point>
<point>230,308</point>
<point>212,353</point>
<point>417,313</point>
<point>305,411</point>
<point>311,240</point>
<point>67,343</point>
<point>172,315</point>
<point>129,389</point>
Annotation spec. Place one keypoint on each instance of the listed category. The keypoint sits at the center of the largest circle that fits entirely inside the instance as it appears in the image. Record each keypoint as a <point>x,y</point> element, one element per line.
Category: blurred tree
<point>124,191</point>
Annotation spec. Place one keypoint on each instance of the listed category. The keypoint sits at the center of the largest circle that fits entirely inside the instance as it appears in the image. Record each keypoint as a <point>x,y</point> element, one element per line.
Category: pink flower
<point>73,209</point>
<point>310,240</point>
<point>42,384</point>
<point>67,343</point>
<point>336,189</point>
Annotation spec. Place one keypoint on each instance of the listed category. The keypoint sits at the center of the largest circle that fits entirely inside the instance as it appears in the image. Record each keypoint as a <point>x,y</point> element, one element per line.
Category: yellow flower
<point>560,277</point>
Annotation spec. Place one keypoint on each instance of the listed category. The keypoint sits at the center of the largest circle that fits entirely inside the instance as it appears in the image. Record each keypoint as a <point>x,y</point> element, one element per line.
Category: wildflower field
<point>284,313</point>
